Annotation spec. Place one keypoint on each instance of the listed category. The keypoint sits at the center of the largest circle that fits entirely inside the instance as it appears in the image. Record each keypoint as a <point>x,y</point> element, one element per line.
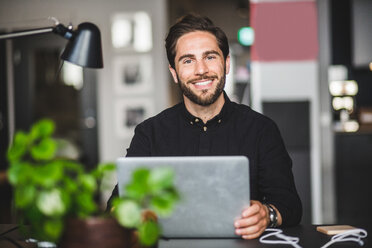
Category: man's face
<point>200,68</point>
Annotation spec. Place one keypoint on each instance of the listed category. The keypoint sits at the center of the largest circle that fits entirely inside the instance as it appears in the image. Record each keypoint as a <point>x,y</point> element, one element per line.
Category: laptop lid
<point>214,190</point>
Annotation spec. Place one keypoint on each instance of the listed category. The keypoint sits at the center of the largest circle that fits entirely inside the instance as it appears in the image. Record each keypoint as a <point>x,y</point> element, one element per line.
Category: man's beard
<point>200,100</point>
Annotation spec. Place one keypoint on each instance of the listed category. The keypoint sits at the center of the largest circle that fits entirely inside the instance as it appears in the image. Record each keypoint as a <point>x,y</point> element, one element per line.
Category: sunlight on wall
<point>132,30</point>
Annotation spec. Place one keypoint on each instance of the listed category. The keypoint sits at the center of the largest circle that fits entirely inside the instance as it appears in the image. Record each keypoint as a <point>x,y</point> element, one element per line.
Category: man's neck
<point>205,113</point>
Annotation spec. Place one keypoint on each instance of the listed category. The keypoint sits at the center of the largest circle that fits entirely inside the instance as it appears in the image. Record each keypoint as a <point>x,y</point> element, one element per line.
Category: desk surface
<point>308,235</point>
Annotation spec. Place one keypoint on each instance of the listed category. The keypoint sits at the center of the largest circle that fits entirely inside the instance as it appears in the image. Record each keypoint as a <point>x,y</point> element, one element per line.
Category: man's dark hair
<point>191,23</point>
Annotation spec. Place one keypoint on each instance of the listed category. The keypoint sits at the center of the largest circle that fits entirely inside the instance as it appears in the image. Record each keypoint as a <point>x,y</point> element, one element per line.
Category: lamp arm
<point>26,33</point>
<point>58,29</point>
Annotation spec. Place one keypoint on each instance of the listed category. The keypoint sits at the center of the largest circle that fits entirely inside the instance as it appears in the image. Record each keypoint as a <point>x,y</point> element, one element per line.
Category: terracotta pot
<point>97,233</point>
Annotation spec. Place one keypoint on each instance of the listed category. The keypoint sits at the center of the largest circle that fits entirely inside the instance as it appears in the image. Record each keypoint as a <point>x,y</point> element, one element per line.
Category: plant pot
<point>96,232</point>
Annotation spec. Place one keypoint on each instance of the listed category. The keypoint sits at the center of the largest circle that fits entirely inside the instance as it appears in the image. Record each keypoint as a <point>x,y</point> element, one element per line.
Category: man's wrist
<point>272,216</point>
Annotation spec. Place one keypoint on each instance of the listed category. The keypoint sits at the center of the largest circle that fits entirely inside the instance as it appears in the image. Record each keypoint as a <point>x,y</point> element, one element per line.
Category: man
<point>208,123</point>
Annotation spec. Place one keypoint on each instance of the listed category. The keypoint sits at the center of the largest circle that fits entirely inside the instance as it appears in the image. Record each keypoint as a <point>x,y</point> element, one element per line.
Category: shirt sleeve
<point>140,145</point>
<point>276,182</point>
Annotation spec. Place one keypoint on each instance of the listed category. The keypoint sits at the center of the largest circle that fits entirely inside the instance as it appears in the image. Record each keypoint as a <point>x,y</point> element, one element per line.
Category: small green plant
<point>48,190</point>
<point>148,189</point>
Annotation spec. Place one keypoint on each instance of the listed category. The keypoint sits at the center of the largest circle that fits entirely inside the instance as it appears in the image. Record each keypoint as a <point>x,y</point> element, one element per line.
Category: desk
<point>10,233</point>
<point>308,235</point>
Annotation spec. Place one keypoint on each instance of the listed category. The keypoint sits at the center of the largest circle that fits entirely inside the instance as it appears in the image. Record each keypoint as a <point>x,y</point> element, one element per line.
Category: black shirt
<point>236,130</point>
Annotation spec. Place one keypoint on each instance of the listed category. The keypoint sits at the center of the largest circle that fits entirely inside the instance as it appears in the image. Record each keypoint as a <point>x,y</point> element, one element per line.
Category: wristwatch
<point>273,217</point>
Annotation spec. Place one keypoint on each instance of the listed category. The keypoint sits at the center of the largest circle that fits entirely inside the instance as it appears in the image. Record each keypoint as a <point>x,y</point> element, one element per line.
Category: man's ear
<point>174,73</point>
<point>227,64</point>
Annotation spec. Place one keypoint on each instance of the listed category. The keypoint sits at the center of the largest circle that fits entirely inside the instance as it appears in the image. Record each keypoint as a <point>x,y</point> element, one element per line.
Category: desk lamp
<point>84,46</point>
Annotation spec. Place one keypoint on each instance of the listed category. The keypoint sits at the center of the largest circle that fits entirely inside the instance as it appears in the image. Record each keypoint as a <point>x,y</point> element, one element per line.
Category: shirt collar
<point>220,117</point>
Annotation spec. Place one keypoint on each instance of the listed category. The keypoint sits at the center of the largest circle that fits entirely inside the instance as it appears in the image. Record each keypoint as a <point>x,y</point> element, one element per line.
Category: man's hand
<point>254,221</point>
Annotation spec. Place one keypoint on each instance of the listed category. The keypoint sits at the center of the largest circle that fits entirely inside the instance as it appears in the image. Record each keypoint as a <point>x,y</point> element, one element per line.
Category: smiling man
<point>207,123</point>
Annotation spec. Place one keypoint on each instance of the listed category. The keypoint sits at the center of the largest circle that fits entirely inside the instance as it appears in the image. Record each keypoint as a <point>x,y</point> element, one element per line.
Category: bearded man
<point>207,123</point>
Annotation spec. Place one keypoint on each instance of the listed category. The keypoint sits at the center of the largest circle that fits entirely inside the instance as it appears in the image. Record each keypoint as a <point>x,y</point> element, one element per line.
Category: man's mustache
<point>191,81</point>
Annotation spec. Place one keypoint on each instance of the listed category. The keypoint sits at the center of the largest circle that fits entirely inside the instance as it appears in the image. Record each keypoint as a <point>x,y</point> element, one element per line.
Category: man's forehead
<point>196,39</point>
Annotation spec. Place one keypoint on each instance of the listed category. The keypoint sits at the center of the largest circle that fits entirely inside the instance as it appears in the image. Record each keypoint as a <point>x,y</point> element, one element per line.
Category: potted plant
<point>56,197</point>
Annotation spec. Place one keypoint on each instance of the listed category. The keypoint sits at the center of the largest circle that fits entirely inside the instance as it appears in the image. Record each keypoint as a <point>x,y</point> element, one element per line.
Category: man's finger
<point>251,232</point>
<point>245,222</point>
<point>251,210</point>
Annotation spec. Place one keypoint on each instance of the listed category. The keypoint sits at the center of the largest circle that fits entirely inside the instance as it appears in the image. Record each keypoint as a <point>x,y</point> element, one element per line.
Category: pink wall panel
<point>284,31</point>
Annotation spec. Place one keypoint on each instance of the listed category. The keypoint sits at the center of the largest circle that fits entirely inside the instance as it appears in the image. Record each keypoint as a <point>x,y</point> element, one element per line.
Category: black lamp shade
<point>84,47</point>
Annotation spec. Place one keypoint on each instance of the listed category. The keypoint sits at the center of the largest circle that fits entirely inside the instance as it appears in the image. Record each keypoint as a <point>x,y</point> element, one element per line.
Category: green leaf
<point>19,146</point>
<point>138,187</point>
<point>140,175</point>
<point>102,169</point>
<point>72,166</point>
<point>48,175</point>
<point>85,204</point>
<point>19,173</point>
<point>88,182</point>
<point>33,215</point>
<point>163,204</point>
<point>161,178</point>
<point>148,233</point>
<point>50,203</point>
<point>128,213</point>
<point>70,185</point>
<point>45,150</point>
<point>136,191</point>
<point>42,129</point>
<point>53,229</point>
<point>24,196</point>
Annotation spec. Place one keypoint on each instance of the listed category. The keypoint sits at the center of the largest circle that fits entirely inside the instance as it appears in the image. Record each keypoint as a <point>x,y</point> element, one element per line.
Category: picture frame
<point>132,74</point>
<point>130,112</point>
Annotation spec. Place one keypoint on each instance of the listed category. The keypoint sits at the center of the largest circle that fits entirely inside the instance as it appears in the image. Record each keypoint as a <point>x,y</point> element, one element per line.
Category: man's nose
<point>201,68</point>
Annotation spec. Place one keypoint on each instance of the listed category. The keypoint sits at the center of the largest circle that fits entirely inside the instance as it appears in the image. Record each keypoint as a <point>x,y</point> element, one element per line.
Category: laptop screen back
<point>214,191</point>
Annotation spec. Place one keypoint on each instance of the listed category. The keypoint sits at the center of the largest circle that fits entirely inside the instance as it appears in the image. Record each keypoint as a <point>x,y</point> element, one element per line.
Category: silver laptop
<point>214,191</point>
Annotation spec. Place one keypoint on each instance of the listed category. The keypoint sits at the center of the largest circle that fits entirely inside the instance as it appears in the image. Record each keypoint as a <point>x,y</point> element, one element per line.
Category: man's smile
<point>203,83</point>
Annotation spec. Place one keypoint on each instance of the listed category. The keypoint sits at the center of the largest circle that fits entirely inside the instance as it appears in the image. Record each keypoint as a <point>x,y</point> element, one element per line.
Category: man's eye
<point>211,57</point>
<point>187,61</point>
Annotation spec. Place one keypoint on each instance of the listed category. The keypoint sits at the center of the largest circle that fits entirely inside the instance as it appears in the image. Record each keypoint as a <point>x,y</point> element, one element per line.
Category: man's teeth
<point>203,83</point>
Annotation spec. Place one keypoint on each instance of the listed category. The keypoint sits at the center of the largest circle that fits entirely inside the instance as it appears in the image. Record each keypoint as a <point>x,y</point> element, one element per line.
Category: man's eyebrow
<point>211,52</point>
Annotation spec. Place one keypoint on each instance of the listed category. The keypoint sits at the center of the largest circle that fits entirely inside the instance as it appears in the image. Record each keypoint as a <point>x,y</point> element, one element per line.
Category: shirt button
<point>191,122</point>
<point>219,121</point>
<point>205,128</point>
<point>196,120</point>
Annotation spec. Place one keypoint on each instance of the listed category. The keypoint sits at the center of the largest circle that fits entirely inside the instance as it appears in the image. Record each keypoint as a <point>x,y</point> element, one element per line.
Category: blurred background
<point>307,64</point>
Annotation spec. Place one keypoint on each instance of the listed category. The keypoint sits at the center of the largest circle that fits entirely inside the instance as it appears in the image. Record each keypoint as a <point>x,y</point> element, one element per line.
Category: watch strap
<point>273,217</point>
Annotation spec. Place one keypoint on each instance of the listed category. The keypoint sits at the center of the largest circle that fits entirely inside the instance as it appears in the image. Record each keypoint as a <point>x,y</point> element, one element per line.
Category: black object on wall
<point>4,135</point>
<point>5,188</point>
<point>341,32</point>
<point>353,176</point>
<point>293,120</point>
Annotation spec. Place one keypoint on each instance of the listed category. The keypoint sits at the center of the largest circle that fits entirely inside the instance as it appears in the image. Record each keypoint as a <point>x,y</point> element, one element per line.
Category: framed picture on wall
<point>130,112</point>
<point>132,75</point>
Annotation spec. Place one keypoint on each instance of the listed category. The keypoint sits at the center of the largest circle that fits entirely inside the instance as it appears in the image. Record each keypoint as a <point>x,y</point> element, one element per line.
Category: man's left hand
<point>253,222</point>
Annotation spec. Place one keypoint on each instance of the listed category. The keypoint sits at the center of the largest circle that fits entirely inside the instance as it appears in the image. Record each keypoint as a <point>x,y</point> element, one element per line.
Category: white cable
<point>354,235</point>
<point>54,19</point>
<point>282,239</point>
